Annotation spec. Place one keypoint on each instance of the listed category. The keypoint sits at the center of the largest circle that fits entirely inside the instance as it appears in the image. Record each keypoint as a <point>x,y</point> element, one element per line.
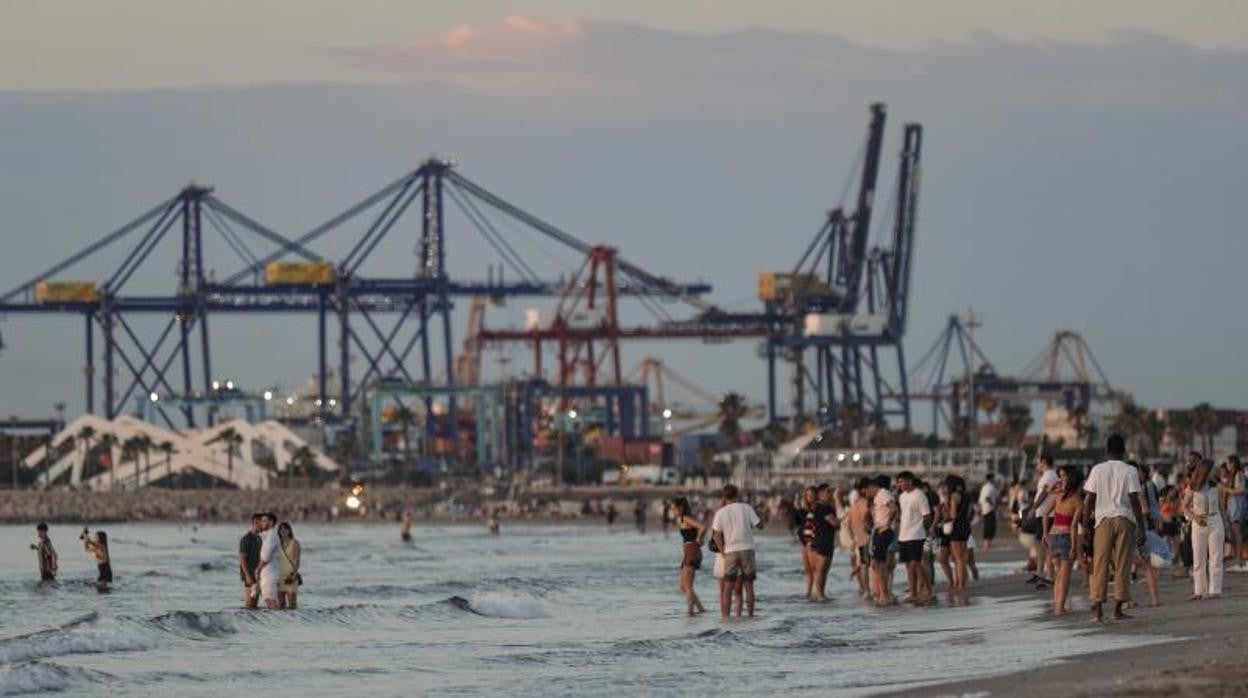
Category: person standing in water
<point>97,547</point>
<point>248,561</point>
<point>804,513</point>
<point>612,515</point>
<point>405,528</point>
<point>288,588</point>
<point>268,571</point>
<point>45,552</point>
<point>692,532</point>
<point>639,516</point>
<point>732,529</point>
<point>916,518</point>
<point>823,543</point>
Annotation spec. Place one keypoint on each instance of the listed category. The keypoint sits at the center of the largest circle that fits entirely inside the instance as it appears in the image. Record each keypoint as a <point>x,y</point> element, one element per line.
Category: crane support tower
<point>846,304</point>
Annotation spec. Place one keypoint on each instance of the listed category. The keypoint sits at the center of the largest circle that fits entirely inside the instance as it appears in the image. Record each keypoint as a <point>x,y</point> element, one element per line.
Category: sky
<point>1083,163</point>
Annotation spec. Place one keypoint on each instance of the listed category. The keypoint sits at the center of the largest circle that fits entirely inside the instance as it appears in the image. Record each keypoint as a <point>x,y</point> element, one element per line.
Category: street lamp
<point>268,395</point>
<point>667,413</point>
<point>154,397</point>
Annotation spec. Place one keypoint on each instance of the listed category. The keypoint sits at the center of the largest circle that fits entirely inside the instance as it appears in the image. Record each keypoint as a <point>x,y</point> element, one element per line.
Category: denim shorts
<point>1059,546</point>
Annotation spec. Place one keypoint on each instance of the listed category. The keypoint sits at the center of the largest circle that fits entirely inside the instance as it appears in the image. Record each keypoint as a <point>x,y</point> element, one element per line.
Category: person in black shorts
<point>883,516</point>
<point>958,512</point>
<point>823,541</point>
<point>916,516</point>
<point>97,546</point>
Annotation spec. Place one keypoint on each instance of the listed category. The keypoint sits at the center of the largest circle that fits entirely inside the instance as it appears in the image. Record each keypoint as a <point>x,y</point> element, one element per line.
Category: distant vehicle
<point>646,475</point>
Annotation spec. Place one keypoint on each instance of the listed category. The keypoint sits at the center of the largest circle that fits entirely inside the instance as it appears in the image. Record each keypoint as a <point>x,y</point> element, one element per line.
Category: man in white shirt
<point>1112,508</point>
<point>732,530</point>
<point>883,516</point>
<point>989,496</point>
<point>270,564</point>
<point>916,518</point>
<point>1042,508</point>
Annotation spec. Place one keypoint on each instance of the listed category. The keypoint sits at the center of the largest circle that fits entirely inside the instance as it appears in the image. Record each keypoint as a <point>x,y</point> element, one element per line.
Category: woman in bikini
<point>692,532</point>
<point>806,524</point>
<point>1062,537</point>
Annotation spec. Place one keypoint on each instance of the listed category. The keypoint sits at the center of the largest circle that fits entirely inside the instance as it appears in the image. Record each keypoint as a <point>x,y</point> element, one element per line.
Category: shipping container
<point>299,274</point>
<point>67,292</point>
<point>775,286</point>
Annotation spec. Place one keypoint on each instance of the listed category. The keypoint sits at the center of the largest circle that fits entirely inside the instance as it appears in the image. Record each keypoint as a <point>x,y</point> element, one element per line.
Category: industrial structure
<point>963,385</point>
<point>838,318</point>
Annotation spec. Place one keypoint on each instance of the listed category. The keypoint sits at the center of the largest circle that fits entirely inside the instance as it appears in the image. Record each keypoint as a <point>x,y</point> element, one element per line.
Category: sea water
<point>539,610</point>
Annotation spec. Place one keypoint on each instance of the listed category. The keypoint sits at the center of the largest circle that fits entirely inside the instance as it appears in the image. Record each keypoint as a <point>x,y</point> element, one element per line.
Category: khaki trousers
<point>1112,544</point>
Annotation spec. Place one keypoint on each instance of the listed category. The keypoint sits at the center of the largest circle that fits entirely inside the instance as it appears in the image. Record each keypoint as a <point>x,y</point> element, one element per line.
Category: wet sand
<point>1198,648</point>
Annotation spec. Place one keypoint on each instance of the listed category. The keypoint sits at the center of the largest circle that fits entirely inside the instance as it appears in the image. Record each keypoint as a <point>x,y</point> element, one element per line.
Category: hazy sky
<point>1084,166</point>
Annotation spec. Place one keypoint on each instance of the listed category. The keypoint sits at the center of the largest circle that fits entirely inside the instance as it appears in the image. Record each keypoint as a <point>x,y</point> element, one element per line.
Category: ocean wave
<point>494,604</point>
<point>197,626</point>
<point>86,635</point>
<point>42,677</point>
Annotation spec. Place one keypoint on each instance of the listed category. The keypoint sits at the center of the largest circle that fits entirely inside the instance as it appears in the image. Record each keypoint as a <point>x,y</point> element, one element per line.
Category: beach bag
<point>718,570</point>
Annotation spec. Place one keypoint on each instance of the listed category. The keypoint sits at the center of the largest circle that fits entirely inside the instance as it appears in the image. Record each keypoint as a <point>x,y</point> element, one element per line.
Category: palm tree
<point>130,451</point>
<point>1016,419</point>
<point>1205,421</point>
<point>770,437</point>
<point>731,409</point>
<point>1155,430</point>
<point>1179,424</point>
<point>107,442</point>
<point>231,438</point>
<point>1130,421</point>
<point>84,437</point>
<point>166,447</point>
<point>145,449</point>
<point>302,460</point>
<point>706,458</point>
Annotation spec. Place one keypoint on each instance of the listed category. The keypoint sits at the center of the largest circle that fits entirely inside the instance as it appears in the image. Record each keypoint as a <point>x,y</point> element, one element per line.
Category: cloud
<point>606,65</point>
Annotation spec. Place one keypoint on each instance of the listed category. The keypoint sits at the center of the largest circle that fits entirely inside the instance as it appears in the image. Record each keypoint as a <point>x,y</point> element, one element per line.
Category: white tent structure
<point>194,450</point>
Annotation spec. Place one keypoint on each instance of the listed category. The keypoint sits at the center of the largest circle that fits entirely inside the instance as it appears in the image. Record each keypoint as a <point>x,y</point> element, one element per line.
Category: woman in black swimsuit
<point>805,537</point>
<point>823,539</point>
<point>692,532</point>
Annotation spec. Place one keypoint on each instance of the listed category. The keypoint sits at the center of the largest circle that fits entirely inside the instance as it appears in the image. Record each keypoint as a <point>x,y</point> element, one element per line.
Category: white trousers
<point>1207,544</point>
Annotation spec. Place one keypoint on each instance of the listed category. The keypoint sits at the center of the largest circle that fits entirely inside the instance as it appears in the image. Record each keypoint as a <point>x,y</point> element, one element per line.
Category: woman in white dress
<point>1202,505</point>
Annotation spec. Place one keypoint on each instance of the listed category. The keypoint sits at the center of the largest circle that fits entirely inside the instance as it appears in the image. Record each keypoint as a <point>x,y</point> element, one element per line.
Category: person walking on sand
<point>248,561</point>
<point>1042,508</point>
<point>288,587</point>
<point>1203,508</point>
<point>269,570</point>
<point>732,529</point>
<point>916,518</point>
<point>1113,513</point>
<point>45,552</point>
<point>692,533</point>
<point>989,497</point>
<point>1061,535</point>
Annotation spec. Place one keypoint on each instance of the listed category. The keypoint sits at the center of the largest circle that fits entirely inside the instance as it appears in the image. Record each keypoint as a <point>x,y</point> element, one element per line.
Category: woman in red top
<point>1061,533</point>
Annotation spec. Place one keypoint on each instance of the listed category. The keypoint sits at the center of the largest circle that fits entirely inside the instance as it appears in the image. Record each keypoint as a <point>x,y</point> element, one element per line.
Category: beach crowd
<point>1115,523</point>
